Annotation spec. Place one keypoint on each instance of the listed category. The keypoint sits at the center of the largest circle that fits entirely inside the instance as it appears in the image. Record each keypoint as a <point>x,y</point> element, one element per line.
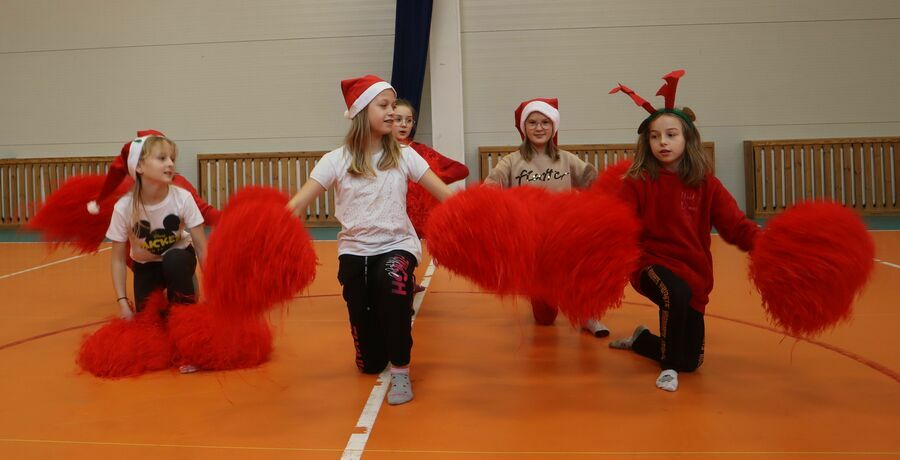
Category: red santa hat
<point>359,92</point>
<point>124,164</point>
<point>549,107</point>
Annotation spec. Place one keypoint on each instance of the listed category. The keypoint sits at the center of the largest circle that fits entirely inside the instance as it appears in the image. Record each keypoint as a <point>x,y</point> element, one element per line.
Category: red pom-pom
<point>539,201</point>
<point>208,340</point>
<point>486,235</point>
<point>610,179</point>
<point>259,255</point>
<point>64,216</point>
<point>809,264</point>
<point>589,250</point>
<point>129,348</point>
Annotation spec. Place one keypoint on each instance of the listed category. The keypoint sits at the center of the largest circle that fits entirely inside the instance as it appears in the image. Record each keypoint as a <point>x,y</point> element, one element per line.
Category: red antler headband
<point>667,91</point>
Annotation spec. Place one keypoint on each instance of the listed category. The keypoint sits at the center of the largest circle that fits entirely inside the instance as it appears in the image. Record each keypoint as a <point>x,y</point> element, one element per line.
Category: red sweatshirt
<point>209,212</point>
<point>448,170</point>
<point>677,221</point>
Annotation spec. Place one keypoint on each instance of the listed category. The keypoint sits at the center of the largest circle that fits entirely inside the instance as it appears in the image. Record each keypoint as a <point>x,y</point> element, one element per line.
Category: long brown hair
<point>528,150</point>
<point>693,166</point>
<point>358,140</point>
<point>136,204</point>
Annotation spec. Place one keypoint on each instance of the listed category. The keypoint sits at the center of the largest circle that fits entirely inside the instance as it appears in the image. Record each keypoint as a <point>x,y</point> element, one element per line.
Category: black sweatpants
<point>379,293</point>
<point>175,274</point>
<point>679,345</point>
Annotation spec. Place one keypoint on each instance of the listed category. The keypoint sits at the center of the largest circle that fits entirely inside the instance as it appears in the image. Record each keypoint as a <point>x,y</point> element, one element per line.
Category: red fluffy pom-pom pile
<point>496,250</point>
<point>590,249</point>
<point>574,250</point>
<point>129,348</point>
<point>259,256</point>
<point>809,265</point>
<point>610,180</point>
<point>207,340</point>
<point>64,217</point>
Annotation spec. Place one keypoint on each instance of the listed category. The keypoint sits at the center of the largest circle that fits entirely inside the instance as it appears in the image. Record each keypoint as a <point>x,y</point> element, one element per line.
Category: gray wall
<point>756,69</point>
<point>78,78</point>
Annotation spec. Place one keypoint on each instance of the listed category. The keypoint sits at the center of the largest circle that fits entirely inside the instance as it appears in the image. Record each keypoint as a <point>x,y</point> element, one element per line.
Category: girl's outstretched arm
<point>435,186</point>
<point>198,238</point>
<point>310,190</point>
<point>732,224</point>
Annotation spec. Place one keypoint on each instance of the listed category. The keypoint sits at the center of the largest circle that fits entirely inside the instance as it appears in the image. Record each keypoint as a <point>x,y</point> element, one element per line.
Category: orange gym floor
<point>488,383</point>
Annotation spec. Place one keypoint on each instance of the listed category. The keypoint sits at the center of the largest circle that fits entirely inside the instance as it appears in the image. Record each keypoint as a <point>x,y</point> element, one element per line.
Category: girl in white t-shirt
<point>378,248</point>
<point>162,223</point>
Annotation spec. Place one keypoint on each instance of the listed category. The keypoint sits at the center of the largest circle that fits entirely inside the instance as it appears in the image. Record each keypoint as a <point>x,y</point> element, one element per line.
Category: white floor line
<point>357,443</point>
<point>887,263</point>
<point>10,275</point>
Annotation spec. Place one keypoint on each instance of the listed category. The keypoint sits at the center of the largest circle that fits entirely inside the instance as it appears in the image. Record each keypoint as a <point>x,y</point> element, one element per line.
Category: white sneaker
<point>667,380</point>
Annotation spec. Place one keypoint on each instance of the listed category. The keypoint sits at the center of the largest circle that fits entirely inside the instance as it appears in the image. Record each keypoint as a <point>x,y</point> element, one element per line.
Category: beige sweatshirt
<point>569,171</point>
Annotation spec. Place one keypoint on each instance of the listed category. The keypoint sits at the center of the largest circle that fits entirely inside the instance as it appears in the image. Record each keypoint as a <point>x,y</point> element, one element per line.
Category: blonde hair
<point>693,166</point>
<point>137,206</point>
<point>359,138</point>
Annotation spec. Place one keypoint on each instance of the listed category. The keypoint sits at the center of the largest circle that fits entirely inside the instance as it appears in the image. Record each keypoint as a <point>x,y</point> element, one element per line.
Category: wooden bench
<point>600,155</point>
<point>26,182</point>
<point>861,173</point>
<point>220,175</point>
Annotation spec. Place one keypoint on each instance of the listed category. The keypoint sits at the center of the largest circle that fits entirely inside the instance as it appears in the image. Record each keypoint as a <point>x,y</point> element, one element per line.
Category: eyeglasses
<point>404,121</point>
<point>531,124</point>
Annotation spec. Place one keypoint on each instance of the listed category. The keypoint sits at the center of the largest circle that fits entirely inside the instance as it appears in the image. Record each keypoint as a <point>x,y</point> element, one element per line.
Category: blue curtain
<point>411,31</point>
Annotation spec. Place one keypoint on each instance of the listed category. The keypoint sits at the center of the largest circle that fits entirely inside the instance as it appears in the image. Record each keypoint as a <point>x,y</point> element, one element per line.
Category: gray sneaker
<point>627,342</point>
<point>401,390</point>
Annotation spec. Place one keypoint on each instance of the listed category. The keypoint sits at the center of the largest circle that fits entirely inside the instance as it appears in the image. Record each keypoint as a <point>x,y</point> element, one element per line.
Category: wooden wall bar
<point>26,182</point>
<point>861,173</point>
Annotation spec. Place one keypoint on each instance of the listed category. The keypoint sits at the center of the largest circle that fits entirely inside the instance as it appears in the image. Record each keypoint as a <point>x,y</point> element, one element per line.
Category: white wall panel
<point>755,70</point>
<point>215,76</point>
<point>494,15</point>
<point>35,25</point>
<point>231,76</point>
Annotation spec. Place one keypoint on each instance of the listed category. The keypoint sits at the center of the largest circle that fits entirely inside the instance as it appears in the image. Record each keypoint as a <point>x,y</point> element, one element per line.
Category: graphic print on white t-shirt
<point>159,240</point>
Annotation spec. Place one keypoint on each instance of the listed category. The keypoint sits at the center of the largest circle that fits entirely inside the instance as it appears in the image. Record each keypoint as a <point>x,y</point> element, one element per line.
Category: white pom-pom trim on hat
<point>93,207</point>
<point>366,97</point>
<point>543,108</point>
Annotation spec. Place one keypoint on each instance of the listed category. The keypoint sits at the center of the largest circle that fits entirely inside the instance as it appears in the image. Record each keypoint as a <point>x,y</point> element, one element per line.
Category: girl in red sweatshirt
<point>449,171</point>
<point>418,201</point>
<point>678,200</point>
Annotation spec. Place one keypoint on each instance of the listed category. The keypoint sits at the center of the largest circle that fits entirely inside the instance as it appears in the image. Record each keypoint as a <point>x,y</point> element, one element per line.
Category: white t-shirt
<point>163,226</point>
<point>372,210</point>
